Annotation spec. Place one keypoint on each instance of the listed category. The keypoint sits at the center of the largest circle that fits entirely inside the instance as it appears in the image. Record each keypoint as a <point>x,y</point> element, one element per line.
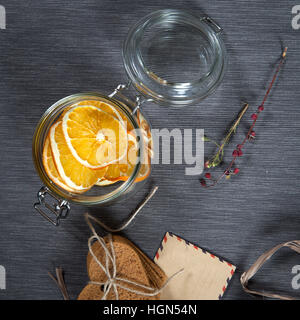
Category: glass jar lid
<point>175,57</point>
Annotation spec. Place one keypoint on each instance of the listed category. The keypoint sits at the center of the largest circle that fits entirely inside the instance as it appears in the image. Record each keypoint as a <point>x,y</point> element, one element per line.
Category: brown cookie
<point>130,265</point>
<point>156,276</point>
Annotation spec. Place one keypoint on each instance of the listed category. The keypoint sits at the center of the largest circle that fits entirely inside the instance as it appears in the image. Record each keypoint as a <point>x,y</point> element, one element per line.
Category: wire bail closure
<point>212,23</point>
<point>60,208</point>
<point>134,104</point>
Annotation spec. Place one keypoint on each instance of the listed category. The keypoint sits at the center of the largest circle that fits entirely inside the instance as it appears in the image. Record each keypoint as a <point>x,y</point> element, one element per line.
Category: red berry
<point>254,116</point>
<point>208,175</point>
<point>252,133</point>
<point>240,153</point>
<point>235,153</point>
<point>261,108</point>
<point>239,146</point>
<point>236,170</point>
<point>203,183</point>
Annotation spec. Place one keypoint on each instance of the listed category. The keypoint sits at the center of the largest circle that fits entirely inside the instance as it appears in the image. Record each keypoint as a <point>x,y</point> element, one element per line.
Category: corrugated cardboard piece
<point>205,275</point>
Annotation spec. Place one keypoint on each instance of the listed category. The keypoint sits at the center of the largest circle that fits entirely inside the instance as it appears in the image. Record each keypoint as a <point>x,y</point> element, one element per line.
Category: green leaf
<point>205,139</point>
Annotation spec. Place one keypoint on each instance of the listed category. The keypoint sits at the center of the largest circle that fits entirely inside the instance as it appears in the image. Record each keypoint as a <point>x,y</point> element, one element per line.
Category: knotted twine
<point>113,281</point>
<point>246,276</point>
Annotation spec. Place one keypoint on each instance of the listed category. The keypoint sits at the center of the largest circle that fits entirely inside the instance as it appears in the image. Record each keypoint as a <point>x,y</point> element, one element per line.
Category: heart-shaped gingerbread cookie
<point>131,264</point>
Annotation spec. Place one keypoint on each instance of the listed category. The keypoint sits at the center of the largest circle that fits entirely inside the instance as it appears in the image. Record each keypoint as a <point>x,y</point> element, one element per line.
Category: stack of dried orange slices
<point>92,144</point>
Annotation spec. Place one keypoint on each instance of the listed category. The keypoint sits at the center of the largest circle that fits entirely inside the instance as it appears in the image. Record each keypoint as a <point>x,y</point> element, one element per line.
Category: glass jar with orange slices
<point>93,149</point>
<point>90,149</point>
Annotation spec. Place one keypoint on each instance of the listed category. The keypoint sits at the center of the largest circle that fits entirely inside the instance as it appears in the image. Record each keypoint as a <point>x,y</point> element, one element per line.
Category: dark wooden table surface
<point>54,48</point>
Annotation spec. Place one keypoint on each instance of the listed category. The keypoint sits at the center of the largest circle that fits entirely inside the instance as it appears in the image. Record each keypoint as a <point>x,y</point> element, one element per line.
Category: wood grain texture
<point>55,48</point>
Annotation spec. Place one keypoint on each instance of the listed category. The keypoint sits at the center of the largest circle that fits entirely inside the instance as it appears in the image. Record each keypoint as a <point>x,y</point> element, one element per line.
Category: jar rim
<point>39,137</point>
<point>170,92</point>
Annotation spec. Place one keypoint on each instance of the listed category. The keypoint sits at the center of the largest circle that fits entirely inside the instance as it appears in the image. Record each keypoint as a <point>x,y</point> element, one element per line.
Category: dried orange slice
<point>50,167</point>
<point>146,132</point>
<point>108,108</point>
<point>103,183</point>
<point>73,173</point>
<point>144,124</point>
<point>99,104</point>
<point>123,169</point>
<point>102,106</point>
<point>144,172</point>
<point>95,138</point>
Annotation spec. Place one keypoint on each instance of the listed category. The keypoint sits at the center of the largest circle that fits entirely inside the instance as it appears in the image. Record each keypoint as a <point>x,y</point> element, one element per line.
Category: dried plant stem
<point>250,132</point>
<point>59,280</point>
<point>218,157</point>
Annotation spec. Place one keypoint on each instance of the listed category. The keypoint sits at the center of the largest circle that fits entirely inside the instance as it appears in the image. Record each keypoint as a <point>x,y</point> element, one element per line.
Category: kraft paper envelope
<point>205,276</point>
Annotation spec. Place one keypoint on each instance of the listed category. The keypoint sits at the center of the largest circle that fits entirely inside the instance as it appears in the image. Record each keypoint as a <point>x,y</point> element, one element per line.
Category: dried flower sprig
<point>251,134</point>
<point>217,159</point>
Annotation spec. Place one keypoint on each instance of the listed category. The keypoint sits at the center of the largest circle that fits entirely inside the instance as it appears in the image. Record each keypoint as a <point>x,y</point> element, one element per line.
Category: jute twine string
<point>246,276</point>
<point>110,269</point>
<point>110,283</point>
<point>132,216</point>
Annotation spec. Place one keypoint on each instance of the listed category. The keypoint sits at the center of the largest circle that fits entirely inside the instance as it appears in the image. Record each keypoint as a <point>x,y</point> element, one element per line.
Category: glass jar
<point>175,57</point>
<point>97,195</point>
<point>171,57</point>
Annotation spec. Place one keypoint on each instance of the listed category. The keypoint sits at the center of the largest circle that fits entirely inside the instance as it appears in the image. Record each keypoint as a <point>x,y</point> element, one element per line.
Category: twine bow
<point>246,276</point>
<point>114,282</point>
